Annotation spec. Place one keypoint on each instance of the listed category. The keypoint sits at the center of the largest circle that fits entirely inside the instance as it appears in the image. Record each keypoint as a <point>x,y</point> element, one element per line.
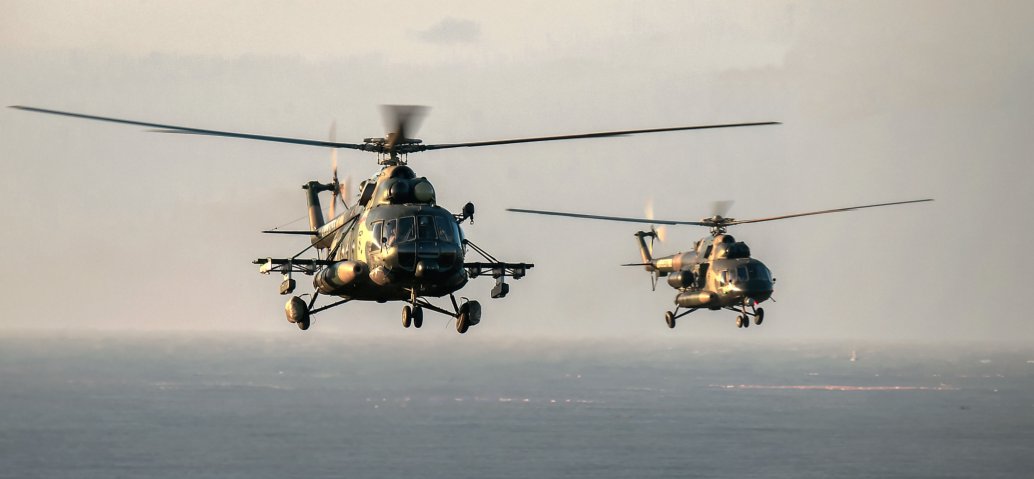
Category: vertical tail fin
<point>646,251</point>
<point>312,190</point>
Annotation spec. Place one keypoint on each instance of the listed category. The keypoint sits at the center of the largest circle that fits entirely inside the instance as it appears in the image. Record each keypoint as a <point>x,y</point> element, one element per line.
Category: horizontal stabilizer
<point>284,232</point>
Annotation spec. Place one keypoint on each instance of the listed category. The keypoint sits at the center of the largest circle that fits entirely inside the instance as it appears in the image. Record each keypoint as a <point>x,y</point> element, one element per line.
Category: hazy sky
<point>106,226</point>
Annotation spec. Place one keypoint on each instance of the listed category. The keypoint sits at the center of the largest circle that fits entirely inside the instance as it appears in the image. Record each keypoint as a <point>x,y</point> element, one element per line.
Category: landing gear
<point>742,321</point>
<point>407,316</point>
<point>297,312</point>
<point>469,315</point>
<point>418,317</point>
<point>462,323</point>
<point>747,310</point>
<point>670,317</point>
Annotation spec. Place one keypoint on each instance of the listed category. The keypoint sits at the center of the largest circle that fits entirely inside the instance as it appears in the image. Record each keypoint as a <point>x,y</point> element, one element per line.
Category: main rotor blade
<point>609,218</point>
<point>162,128</point>
<point>588,135</point>
<point>837,210</point>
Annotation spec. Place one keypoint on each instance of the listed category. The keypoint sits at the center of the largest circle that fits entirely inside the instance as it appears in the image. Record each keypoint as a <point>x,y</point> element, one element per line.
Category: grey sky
<point>106,226</point>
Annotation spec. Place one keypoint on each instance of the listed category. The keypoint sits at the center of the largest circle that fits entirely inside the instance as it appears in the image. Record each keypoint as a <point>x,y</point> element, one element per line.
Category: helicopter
<point>718,272</point>
<point>394,242</point>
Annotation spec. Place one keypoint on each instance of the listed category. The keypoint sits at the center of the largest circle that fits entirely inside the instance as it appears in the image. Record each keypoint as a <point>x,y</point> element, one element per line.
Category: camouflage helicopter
<point>394,243</point>
<point>718,272</point>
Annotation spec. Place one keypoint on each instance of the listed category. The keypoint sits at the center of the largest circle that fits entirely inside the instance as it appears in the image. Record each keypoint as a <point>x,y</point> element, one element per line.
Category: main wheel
<point>746,321</point>
<point>407,316</point>
<point>418,317</point>
<point>463,320</point>
<point>739,321</point>
<point>462,323</point>
<point>669,317</point>
<point>759,316</point>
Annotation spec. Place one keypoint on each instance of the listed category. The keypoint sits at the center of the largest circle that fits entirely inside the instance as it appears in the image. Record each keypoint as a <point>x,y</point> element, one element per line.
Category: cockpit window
<point>390,233</point>
<point>425,227</point>
<point>375,240</point>
<point>405,229</point>
<point>757,271</point>
<point>446,229</point>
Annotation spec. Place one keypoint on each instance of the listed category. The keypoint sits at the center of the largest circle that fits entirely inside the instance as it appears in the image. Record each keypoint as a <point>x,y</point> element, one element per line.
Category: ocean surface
<point>305,405</point>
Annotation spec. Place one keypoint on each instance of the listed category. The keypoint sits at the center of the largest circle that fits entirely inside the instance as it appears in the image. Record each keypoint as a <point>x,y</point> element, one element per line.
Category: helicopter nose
<point>758,290</point>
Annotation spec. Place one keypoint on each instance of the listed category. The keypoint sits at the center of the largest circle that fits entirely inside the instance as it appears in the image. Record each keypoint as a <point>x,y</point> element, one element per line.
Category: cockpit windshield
<point>446,229</point>
<point>425,227</point>
<point>754,271</point>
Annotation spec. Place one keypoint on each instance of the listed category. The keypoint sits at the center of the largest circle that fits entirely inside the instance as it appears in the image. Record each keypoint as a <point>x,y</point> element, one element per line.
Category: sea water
<point>274,405</point>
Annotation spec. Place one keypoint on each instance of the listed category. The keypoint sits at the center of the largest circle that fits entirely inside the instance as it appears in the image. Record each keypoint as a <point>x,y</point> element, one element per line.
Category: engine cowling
<point>338,275</point>
<point>680,279</point>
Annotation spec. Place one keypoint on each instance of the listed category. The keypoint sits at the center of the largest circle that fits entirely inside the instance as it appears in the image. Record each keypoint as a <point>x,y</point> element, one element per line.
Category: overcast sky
<point>109,227</point>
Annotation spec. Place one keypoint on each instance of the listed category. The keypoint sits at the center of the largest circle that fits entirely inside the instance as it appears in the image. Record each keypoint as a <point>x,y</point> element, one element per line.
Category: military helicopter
<point>394,243</point>
<point>718,272</point>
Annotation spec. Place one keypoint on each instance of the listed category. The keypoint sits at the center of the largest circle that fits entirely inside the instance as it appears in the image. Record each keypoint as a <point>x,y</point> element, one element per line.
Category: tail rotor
<point>659,232</point>
<point>338,190</point>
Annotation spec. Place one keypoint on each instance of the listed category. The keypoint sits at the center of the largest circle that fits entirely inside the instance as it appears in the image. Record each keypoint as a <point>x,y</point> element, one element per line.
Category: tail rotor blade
<point>346,191</point>
<point>661,232</point>
<point>333,171</point>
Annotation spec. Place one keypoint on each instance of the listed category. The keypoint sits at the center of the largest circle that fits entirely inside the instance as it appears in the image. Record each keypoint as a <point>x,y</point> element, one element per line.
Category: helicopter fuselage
<point>404,248</point>
<point>719,272</point>
<point>400,246</point>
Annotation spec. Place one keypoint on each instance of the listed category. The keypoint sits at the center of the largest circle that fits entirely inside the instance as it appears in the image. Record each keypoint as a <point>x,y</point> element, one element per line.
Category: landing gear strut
<point>299,312</point>
<point>467,314</point>
<point>671,316</point>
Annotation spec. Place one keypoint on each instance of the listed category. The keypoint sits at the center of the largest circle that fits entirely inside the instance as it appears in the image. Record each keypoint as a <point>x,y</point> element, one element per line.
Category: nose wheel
<point>747,311</point>
<point>412,315</point>
<point>467,313</point>
<point>742,321</point>
<point>407,316</point>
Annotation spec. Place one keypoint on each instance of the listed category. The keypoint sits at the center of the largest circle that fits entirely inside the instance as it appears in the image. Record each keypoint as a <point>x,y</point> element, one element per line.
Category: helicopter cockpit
<point>422,227</point>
